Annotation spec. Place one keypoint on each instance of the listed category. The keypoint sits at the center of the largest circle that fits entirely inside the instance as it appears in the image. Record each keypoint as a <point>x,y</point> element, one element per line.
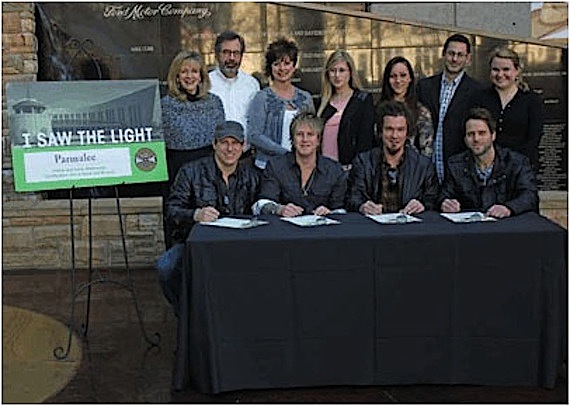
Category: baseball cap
<point>229,129</point>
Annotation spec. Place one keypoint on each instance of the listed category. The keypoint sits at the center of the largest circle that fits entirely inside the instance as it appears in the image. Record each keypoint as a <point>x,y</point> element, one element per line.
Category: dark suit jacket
<point>453,131</point>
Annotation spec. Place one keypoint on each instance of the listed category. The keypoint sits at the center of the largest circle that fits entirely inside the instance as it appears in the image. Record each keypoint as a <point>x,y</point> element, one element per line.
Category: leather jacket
<point>418,176</point>
<point>199,184</point>
<point>512,183</point>
<point>281,183</point>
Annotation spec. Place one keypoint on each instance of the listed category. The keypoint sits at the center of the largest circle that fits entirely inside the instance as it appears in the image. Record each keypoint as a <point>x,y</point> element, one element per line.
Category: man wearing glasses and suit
<point>393,177</point>
<point>447,95</point>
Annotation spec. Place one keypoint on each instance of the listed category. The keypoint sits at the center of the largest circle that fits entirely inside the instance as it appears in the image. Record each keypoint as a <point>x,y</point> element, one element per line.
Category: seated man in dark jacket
<point>202,191</point>
<point>497,181</point>
<point>394,177</point>
<point>302,181</point>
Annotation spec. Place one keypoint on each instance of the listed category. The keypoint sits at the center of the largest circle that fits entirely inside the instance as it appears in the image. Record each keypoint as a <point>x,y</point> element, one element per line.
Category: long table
<point>361,303</point>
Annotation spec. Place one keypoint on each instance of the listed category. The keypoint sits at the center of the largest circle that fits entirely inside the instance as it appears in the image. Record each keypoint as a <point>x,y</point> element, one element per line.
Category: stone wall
<point>37,235</point>
<point>36,232</point>
<point>554,205</point>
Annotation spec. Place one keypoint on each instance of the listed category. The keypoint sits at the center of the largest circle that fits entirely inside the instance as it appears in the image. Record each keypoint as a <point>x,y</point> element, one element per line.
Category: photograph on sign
<point>85,133</point>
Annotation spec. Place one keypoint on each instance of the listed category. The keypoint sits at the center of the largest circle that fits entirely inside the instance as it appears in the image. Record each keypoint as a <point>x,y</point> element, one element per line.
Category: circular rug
<point>30,371</point>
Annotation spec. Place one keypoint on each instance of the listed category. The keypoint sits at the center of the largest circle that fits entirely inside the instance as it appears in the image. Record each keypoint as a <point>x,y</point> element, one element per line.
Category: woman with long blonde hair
<point>348,111</point>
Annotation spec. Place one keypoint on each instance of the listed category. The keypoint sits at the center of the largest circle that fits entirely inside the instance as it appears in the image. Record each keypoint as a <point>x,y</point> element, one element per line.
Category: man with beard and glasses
<point>235,87</point>
<point>393,177</point>
<point>496,181</point>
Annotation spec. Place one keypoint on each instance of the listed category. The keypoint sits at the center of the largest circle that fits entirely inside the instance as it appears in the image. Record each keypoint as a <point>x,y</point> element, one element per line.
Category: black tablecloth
<point>360,303</point>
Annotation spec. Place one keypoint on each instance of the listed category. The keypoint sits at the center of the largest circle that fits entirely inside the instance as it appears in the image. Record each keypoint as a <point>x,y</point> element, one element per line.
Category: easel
<point>76,289</point>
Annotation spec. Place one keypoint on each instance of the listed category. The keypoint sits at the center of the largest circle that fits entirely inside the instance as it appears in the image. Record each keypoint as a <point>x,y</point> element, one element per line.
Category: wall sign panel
<point>120,41</point>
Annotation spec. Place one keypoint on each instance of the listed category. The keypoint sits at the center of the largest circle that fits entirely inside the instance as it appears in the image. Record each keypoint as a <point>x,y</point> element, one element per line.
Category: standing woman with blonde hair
<point>348,111</point>
<point>189,115</point>
<point>518,111</point>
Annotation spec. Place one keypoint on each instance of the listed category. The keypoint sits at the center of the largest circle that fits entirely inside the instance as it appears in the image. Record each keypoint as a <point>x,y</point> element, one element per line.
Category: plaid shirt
<point>446,93</point>
<point>391,199</point>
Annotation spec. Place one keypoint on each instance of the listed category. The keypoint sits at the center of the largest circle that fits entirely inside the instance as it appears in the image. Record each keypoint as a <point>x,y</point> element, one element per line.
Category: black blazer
<point>519,125</point>
<point>453,131</point>
<point>356,129</point>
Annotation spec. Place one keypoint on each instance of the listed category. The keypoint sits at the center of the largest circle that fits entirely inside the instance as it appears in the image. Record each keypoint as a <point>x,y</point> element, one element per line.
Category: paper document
<point>394,218</point>
<point>468,217</point>
<point>229,222</point>
<point>310,220</point>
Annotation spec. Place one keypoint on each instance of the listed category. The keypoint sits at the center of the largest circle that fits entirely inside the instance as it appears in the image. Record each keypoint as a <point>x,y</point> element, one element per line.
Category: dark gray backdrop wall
<point>79,41</point>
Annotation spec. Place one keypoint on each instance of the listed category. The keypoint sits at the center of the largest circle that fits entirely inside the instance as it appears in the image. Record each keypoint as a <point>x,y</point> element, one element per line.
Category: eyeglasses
<point>453,54</point>
<point>392,174</point>
<point>227,52</point>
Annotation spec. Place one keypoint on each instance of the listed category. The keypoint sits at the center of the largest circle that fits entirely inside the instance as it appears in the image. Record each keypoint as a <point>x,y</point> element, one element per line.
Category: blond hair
<point>507,53</point>
<point>327,89</point>
<point>174,88</point>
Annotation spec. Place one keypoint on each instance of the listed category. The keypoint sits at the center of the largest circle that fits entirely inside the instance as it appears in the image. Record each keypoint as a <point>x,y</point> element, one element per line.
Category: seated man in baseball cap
<point>204,190</point>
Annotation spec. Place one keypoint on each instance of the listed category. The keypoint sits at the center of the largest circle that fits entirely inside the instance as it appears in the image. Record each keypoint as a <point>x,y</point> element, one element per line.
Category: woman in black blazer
<point>348,112</point>
<point>518,110</point>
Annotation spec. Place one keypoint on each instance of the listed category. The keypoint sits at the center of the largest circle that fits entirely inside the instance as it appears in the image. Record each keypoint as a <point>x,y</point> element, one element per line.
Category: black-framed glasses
<point>392,174</point>
<point>228,53</point>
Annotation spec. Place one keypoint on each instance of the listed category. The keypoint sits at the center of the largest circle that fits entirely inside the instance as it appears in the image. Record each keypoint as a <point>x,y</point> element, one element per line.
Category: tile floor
<point>118,366</point>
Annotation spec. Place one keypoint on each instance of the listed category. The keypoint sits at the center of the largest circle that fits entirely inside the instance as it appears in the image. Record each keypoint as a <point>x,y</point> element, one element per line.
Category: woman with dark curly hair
<point>272,109</point>
<point>398,83</point>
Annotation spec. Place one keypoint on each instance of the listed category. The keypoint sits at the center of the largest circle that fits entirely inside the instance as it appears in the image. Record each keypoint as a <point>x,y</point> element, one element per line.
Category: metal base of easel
<point>96,277</point>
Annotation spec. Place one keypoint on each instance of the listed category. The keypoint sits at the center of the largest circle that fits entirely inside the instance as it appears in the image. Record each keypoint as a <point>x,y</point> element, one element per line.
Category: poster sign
<point>85,133</point>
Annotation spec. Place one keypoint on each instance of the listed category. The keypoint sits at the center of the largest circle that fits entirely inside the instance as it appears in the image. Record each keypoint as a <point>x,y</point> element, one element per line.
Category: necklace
<point>507,96</point>
<point>305,189</point>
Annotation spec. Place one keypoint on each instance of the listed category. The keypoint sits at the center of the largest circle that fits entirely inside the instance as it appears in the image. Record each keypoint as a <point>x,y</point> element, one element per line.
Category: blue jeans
<point>169,267</point>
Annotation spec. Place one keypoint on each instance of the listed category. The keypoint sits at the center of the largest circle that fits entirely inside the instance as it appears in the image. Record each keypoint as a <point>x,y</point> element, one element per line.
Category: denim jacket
<point>265,121</point>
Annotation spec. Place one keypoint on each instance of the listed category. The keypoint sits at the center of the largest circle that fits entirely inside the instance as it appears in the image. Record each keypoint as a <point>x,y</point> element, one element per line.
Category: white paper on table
<point>229,222</point>
<point>310,220</point>
<point>394,218</point>
<point>468,217</point>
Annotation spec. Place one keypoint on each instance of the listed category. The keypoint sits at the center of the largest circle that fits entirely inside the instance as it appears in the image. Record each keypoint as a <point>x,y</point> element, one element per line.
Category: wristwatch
<point>269,208</point>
